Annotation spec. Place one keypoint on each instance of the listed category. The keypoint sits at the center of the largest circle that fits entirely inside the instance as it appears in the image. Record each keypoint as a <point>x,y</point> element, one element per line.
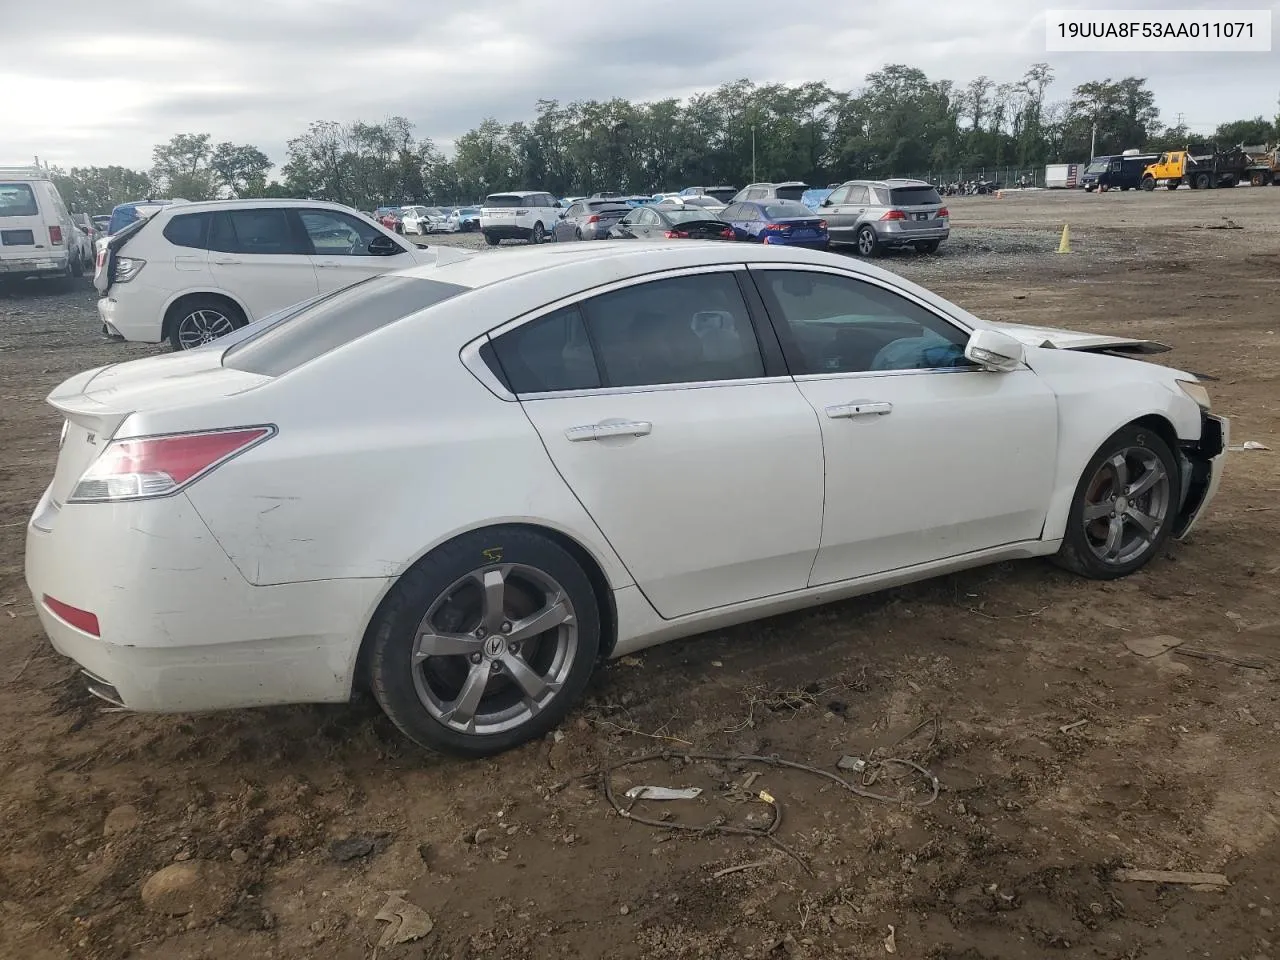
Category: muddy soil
<point>286,828</point>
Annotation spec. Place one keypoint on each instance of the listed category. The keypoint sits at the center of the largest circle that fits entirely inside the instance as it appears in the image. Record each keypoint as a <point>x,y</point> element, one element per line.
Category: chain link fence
<point>1006,177</point>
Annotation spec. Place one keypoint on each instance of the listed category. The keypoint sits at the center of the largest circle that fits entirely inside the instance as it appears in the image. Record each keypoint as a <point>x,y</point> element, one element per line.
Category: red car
<point>389,217</point>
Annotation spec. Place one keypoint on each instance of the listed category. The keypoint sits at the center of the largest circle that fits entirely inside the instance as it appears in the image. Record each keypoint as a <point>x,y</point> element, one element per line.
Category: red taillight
<point>727,233</point>
<point>102,258</point>
<point>55,236</point>
<point>777,227</point>
<point>158,466</point>
<point>82,620</point>
<point>894,215</point>
<point>822,224</point>
<point>944,212</point>
<point>594,218</point>
<point>676,235</point>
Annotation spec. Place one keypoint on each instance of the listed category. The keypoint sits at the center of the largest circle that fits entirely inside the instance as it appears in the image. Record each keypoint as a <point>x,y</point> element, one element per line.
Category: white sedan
<point>462,486</point>
<point>422,220</point>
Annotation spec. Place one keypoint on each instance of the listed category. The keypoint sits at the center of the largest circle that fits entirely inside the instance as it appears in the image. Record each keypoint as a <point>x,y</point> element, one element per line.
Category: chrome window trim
<point>649,388</point>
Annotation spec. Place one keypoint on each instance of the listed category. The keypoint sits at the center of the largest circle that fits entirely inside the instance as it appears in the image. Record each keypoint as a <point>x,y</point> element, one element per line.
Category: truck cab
<point>1094,171</point>
<point>1169,167</point>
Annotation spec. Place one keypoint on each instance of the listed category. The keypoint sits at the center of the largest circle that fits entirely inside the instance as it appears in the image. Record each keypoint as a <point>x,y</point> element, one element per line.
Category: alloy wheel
<point>866,242</point>
<point>1126,505</point>
<point>203,326</point>
<point>494,649</point>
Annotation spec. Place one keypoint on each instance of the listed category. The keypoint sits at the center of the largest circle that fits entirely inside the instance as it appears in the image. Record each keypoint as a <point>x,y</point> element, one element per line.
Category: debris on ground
<point>664,793</point>
<point>351,848</point>
<point>407,922</point>
<point>891,942</point>
<point>1173,876</point>
<point>1151,646</point>
<point>1249,445</point>
<point>121,819</point>
<point>1068,727</point>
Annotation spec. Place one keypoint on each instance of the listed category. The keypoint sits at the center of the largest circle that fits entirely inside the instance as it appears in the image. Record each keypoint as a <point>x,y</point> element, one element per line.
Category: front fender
<point>1097,395</point>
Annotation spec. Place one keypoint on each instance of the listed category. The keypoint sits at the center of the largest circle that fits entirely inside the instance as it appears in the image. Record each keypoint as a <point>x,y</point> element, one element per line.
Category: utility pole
<point>1093,142</point>
<point>753,153</point>
<point>1180,116</point>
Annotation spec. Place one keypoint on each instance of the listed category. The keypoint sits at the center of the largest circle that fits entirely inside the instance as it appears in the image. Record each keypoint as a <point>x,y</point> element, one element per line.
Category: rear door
<point>697,458</point>
<point>343,248</point>
<point>257,256</point>
<point>24,234</point>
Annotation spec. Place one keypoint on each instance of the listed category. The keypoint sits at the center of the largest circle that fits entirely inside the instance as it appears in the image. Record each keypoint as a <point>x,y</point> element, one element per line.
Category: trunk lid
<point>1056,339</point>
<point>97,402</point>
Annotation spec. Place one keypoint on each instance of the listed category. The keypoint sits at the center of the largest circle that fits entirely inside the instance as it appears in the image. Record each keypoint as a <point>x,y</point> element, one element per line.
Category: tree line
<point>901,123</point>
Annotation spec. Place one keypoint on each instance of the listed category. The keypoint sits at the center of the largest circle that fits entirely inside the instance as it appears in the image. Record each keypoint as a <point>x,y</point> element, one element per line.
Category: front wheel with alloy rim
<point>1124,506</point>
<point>868,242</point>
<point>203,320</point>
<point>486,643</point>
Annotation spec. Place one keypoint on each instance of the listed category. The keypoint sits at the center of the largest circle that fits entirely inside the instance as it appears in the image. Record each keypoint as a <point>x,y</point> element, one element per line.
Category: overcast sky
<point>101,82</point>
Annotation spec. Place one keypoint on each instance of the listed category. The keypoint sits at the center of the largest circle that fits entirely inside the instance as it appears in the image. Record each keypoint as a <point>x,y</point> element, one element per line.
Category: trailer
<point>1062,176</point>
<point>1263,164</point>
<point>1199,166</point>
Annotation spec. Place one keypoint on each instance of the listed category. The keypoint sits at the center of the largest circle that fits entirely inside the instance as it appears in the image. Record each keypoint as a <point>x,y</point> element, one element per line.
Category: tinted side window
<point>252,231</point>
<point>679,330</point>
<point>547,354</point>
<point>188,230</point>
<point>834,324</point>
<point>731,212</point>
<point>574,211</point>
<point>859,195</point>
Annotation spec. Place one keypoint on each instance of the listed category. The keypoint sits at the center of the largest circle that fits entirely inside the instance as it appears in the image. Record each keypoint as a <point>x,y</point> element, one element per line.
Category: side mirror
<point>564,214</point>
<point>384,247</point>
<point>826,203</point>
<point>994,351</point>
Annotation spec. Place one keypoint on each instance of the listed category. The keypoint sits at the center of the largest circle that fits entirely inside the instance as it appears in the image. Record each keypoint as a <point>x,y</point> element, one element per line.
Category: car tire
<point>491,240</point>
<point>1148,183</point>
<point>577,233</point>
<point>201,320</point>
<point>1104,543</point>
<point>539,233</point>
<point>868,242</point>
<point>927,246</point>
<point>468,701</point>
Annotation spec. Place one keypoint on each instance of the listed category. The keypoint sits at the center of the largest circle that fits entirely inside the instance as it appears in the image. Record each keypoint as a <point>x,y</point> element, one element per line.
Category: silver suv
<point>880,214</point>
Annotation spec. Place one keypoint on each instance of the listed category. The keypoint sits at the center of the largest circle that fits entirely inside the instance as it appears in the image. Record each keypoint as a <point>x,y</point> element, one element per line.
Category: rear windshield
<point>723,194</point>
<point>505,200</point>
<point>791,193</point>
<point>681,215</point>
<point>784,209</point>
<point>702,202</point>
<point>913,196</point>
<point>335,321</point>
<point>607,206</point>
<point>18,200</point>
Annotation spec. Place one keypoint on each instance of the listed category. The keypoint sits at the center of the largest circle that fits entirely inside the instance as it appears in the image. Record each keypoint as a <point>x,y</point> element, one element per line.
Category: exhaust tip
<point>101,689</point>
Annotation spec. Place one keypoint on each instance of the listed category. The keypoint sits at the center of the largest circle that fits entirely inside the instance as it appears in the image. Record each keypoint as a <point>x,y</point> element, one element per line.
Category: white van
<point>518,215</point>
<point>38,238</point>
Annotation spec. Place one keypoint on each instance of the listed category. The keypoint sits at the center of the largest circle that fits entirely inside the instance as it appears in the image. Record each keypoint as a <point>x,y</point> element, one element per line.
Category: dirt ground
<point>293,824</point>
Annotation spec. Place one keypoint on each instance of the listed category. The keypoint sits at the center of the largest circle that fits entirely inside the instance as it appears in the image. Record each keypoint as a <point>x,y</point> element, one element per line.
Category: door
<point>834,211</point>
<point>927,456</point>
<point>255,255</point>
<point>646,224</point>
<point>701,465</point>
<point>567,225</point>
<point>343,248</point>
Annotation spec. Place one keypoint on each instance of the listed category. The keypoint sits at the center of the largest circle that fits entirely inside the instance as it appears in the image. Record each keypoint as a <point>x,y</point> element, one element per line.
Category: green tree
<point>95,190</point>
<point>1123,112</point>
<point>240,169</point>
<point>1257,130</point>
<point>180,168</point>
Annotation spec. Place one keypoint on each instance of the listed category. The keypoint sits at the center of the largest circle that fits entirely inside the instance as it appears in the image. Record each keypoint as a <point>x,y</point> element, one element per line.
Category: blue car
<point>787,222</point>
<point>124,214</point>
<point>813,198</point>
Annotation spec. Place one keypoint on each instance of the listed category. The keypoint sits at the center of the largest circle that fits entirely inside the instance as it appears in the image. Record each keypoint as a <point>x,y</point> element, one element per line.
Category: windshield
<point>607,206</point>
<point>505,200</point>
<point>914,196</point>
<point>1098,166</point>
<point>681,215</point>
<point>335,321</point>
<point>786,209</point>
<point>18,200</point>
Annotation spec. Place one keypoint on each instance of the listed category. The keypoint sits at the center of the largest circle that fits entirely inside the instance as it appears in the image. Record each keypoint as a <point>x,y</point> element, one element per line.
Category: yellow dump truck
<point>1264,165</point>
<point>1199,167</point>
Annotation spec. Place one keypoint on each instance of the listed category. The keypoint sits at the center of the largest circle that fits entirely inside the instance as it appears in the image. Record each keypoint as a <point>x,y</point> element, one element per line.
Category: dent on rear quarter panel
<point>361,482</point>
<point>1097,395</point>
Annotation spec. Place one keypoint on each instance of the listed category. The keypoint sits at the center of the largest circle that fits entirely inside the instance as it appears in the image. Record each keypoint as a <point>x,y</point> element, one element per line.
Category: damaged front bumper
<point>1202,462</point>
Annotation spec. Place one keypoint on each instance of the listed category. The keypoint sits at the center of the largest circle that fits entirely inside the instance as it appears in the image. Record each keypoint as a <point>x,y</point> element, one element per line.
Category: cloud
<point>102,83</point>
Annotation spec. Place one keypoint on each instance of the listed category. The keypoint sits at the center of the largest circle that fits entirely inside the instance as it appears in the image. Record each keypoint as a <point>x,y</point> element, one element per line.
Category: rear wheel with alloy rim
<point>1124,506</point>
<point>203,320</point>
<point>539,233</point>
<point>868,242</point>
<point>486,643</point>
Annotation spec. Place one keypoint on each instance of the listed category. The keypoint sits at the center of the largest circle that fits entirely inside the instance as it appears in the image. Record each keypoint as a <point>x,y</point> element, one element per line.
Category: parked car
<point>723,193</point>
<point>882,214</point>
<point>671,223</point>
<point>813,197</point>
<point>709,204</point>
<point>422,220</point>
<point>389,217</point>
<point>102,222</point>
<point>790,190</point>
<point>632,456</point>
<point>467,219</point>
<point>194,272</point>
<point>777,221</point>
<point>123,214</point>
<point>38,236</point>
<point>518,215</point>
<point>589,220</point>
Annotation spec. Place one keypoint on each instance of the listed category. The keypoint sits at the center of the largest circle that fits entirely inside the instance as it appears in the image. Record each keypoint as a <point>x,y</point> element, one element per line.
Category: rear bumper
<point>892,233</point>
<point>507,231</point>
<point>180,628</point>
<point>43,265</point>
<point>139,317</point>
<point>814,243</point>
<point>1202,465</point>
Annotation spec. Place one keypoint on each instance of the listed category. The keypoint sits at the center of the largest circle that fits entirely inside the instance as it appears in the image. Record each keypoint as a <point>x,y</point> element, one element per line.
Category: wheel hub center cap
<point>495,647</point>
<point>1121,504</point>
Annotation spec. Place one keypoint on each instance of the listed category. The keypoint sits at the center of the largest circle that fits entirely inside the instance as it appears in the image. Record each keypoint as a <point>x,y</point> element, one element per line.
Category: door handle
<point>859,408</point>
<point>609,428</point>
<point>226,260</point>
<point>326,263</point>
